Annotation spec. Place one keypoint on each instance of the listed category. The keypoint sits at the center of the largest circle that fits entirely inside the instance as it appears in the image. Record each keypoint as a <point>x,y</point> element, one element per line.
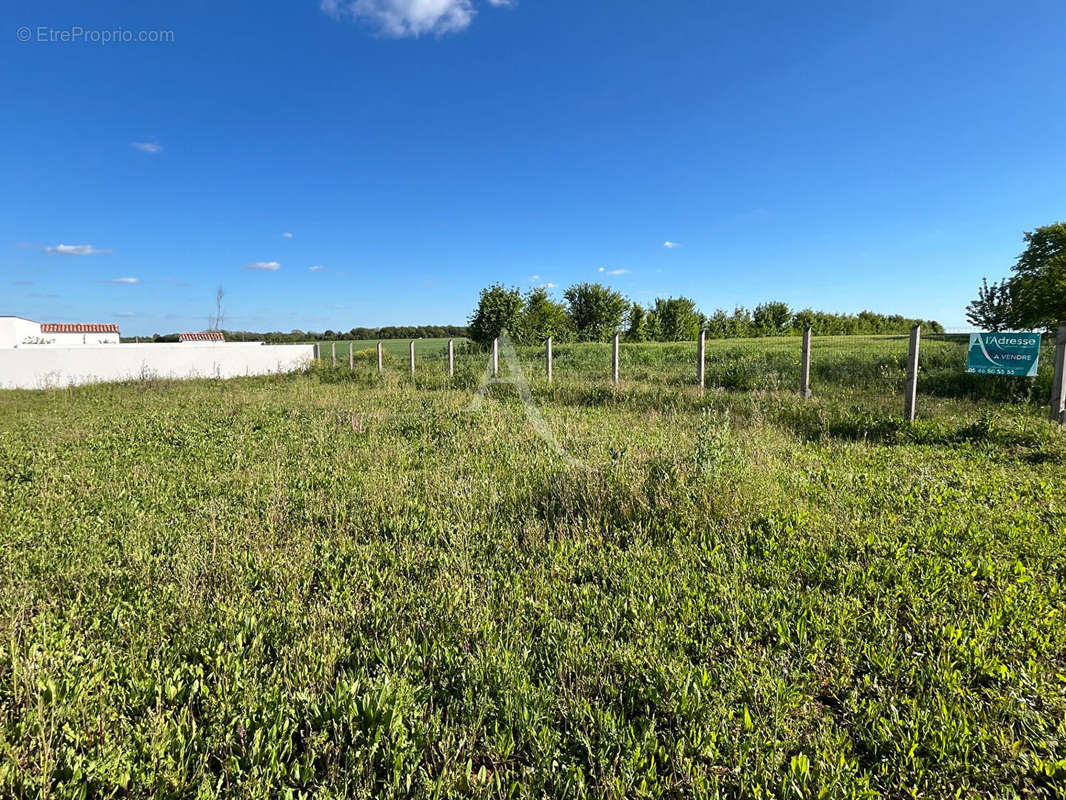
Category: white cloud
<point>618,272</point>
<point>125,314</point>
<point>125,280</point>
<point>603,269</point>
<point>670,245</point>
<point>549,286</point>
<point>315,268</point>
<point>264,266</point>
<point>148,147</point>
<point>408,17</point>
<point>534,278</point>
<point>74,250</point>
<point>287,235</point>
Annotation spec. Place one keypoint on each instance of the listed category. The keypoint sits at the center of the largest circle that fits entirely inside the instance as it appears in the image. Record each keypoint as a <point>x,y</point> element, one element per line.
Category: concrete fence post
<point>614,359</point>
<point>1058,383</point>
<point>701,360</point>
<point>333,351</point>
<point>495,358</point>
<point>351,355</point>
<point>412,356</point>
<point>805,365</point>
<point>910,395</point>
<point>451,358</point>
<point>317,356</point>
<point>381,360</point>
<point>548,358</point>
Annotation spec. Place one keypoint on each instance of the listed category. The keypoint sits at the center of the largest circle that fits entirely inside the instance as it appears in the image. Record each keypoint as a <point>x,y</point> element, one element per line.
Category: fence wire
<point>870,364</point>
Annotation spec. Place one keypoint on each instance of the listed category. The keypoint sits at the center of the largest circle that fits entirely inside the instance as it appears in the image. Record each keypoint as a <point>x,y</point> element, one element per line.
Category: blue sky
<point>838,155</point>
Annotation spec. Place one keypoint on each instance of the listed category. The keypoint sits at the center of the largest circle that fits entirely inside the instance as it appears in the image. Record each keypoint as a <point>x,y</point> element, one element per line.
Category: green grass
<point>335,584</point>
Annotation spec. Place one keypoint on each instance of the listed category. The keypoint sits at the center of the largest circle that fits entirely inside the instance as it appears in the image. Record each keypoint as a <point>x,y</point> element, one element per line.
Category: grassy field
<point>395,350</point>
<point>339,585</point>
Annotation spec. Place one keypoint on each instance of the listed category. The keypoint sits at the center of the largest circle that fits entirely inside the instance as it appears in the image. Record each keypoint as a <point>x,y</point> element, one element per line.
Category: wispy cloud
<point>287,235</point>
<point>671,245</point>
<point>148,147</point>
<point>124,314</point>
<point>74,250</point>
<point>124,280</point>
<point>263,266</point>
<point>614,271</point>
<point>401,18</point>
<point>315,268</point>
<point>534,278</point>
<point>549,286</point>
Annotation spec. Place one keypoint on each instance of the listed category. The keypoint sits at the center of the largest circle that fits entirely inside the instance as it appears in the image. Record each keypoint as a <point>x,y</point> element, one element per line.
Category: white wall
<point>46,367</point>
<point>15,330</point>
<point>71,339</point>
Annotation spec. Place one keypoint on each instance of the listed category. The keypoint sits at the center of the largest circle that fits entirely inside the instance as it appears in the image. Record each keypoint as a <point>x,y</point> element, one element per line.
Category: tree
<point>540,318</point>
<point>596,311</point>
<point>497,311</point>
<point>677,319</point>
<point>772,319</point>
<point>991,311</point>
<point>637,327</point>
<point>741,323</point>
<point>807,318</point>
<point>1038,286</point>
<point>214,323</point>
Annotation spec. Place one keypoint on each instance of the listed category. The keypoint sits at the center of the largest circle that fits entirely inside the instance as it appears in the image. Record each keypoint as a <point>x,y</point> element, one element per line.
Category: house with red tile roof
<point>16,332</point>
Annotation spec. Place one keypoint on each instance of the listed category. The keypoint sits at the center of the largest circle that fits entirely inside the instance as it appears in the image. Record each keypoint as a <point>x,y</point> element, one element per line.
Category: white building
<point>16,333</point>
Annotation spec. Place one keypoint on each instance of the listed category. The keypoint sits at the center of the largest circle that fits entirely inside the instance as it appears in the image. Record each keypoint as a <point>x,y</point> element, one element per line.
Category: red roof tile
<point>73,327</point>
<point>203,336</point>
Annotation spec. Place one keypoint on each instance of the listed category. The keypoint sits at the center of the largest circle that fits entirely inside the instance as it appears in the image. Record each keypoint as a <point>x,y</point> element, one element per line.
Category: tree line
<point>355,334</point>
<point>1034,296</point>
<point>591,312</point>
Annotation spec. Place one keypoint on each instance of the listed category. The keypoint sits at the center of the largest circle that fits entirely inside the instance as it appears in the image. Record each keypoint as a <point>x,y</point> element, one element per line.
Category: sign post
<point>1004,354</point>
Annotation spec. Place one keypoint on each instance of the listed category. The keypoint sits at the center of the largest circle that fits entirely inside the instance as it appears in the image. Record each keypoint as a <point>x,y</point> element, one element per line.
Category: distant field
<point>338,584</point>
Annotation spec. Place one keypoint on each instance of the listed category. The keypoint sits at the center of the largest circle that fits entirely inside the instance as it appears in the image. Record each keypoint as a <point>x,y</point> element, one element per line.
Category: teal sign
<point>1004,354</point>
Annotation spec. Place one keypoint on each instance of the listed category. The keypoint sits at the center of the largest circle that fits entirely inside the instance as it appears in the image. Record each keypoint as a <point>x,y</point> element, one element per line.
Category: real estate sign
<point>1004,354</point>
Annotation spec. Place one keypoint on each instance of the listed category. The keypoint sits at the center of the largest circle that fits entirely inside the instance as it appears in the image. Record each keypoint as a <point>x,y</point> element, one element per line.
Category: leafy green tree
<point>991,311</point>
<point>542,317</point>
<point>677,319</point>
<point>596,311</point>
<point>807,318</point>
<point>772,319</point>
<point>1038,286</point>
<point>497,310</point>
<point>718,324</point>
<point>741,324</point>
<point>637,327</point>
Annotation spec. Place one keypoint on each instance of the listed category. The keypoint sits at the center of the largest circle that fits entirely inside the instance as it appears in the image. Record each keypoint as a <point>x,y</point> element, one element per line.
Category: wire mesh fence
<point>871,364</point>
